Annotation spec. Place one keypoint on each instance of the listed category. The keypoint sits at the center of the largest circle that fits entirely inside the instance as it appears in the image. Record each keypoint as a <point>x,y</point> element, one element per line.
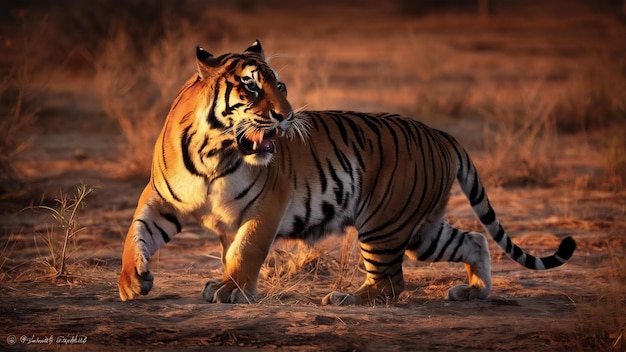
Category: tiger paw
<point>466,293</point>
<point>226,292</point>
<point>135,278</point>
<point>133,284</point>
<point>339,299</point>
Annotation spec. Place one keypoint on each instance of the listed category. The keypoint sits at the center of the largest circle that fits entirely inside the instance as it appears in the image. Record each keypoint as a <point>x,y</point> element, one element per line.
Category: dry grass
<point>615,163</point>
<point>66,216</point>
<point>307,83</point>
<point>136,92</point>
<point>603,316</point>
<point>139,53</point>
<point>433,95</point>
<point>520,139</point>
<point>595,95</point>
<point>5,257</point>
<point>292,268</point>
<point>17,112</point>
<point>349,262</point>
<point>288,265</point>
<point>14,120</point>
<point>56,251</point>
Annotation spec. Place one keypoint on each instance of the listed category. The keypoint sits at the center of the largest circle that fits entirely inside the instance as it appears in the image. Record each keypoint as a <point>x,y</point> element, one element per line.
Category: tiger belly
<point>311,219</point>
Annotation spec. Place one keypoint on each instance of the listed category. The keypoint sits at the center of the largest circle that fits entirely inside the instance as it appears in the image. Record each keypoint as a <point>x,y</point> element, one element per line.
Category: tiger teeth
<point>254,145</point>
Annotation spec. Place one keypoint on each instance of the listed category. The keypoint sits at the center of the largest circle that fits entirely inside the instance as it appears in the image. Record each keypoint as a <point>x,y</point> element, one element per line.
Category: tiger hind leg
<point>438,241</point>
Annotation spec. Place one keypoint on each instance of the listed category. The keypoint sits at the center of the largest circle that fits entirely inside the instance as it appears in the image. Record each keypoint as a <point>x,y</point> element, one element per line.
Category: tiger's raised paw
<point>133,284</point>
<point>226,292</point>
<point>135,278</point>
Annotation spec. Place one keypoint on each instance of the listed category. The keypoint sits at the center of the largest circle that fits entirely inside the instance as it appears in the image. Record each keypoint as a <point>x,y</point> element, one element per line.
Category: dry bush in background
<point>136,91</point>
<point>307,84</point>
<point>595,95</point>
<point>78,29</point>
<point>139,52</point>
<point>433,96</point>
<point>15,116</point>
<point>520,140</point>
<point>17,108</point>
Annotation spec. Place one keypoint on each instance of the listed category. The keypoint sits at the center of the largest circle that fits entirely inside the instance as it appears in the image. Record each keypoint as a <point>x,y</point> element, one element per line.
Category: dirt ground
<point>579,306</point>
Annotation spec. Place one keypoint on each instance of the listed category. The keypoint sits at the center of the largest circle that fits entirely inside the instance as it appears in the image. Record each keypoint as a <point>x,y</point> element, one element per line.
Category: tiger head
<point>249,103</point>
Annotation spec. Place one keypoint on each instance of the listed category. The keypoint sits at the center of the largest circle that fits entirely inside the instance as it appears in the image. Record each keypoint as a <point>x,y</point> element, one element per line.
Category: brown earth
<point>579,306</point>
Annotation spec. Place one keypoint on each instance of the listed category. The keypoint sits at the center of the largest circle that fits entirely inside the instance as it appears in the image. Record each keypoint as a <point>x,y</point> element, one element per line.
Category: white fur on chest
<point>224,200</point>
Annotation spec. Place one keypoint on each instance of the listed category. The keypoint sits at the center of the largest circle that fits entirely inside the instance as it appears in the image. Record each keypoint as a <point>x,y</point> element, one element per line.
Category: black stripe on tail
<point>472,187</point>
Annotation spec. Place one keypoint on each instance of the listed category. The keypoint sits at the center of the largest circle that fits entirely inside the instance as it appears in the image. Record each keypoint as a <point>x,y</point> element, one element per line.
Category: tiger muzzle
<point>259,142</point>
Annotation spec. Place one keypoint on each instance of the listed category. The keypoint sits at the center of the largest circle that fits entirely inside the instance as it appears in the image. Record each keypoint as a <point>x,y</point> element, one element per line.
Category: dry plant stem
<point>69,223</point>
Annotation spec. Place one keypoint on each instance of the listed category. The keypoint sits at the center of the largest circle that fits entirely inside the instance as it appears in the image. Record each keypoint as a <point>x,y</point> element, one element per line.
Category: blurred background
<point>507,76</point>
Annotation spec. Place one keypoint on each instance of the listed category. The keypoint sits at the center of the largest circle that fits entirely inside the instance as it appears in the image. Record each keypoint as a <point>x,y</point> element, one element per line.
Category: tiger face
<point>250,104</point>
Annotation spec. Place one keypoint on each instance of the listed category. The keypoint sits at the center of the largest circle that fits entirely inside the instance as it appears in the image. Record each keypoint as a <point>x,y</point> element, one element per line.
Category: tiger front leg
<point>135,278</point>
<point>242,260</point>
<point>154,223</point>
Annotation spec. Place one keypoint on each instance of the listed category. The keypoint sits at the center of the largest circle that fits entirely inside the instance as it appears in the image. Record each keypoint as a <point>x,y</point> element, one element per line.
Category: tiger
<point>235,156</point>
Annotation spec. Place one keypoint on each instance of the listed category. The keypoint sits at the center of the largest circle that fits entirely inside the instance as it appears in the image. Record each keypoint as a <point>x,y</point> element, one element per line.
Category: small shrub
<point>59,245</point>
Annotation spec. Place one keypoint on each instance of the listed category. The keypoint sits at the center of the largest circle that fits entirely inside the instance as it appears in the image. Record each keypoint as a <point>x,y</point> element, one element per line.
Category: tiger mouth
<point>258,142</point>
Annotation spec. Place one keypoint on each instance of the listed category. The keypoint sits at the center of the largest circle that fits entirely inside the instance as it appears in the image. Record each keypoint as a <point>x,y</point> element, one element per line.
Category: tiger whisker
<point>299,127</point>
<point>228,130</point>
<point>300,109</point>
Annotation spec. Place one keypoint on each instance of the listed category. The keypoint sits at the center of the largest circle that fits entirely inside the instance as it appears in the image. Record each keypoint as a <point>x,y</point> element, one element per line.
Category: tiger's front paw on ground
<point>132,284</point>
<point>226,292</point>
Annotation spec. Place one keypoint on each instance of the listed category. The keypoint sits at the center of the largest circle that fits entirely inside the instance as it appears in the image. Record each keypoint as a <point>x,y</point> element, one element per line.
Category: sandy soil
<point>568,308</point>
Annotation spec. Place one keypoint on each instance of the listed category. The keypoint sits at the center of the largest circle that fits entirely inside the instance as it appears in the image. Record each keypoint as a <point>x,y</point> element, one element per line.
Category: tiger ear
<point>202,62</point>
<point>255,49</point>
